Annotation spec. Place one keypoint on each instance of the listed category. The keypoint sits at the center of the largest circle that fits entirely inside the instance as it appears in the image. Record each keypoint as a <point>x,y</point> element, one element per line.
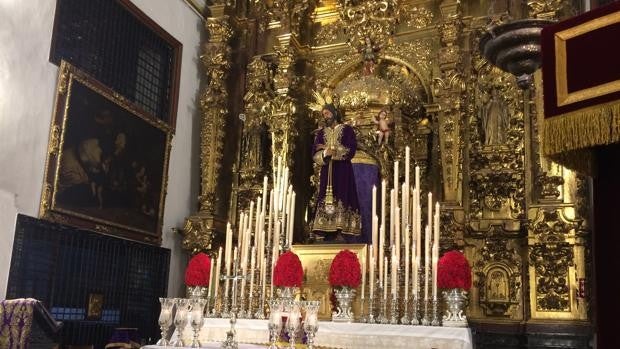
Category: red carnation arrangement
<point>345,270</point>
<point>288,271</point>
<point>198,272</point>
<point>453,271</point>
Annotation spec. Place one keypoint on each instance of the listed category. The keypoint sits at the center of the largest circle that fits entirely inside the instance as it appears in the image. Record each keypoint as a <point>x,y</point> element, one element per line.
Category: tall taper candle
<point>392,218</point>
<point>371,267</point>
<point>397,243</point>
<point>218,272</point>
<point>252,269</point>
<point>385,277</point>
<point>375,237</point>
<point>364,259</point>
<point>427,261</point>
<point>373,229</point>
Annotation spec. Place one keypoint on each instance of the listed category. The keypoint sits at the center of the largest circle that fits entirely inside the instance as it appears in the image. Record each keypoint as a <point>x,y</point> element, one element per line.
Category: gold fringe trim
<point>568,139</point>
<point>585,128</point>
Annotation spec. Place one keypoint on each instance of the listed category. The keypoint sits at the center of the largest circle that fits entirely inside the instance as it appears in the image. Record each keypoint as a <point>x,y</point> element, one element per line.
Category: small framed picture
<point>95,306</point>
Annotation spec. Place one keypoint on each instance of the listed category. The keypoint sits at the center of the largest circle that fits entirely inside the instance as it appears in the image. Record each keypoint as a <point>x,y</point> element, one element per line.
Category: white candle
<point>385,275</point>
<point>291,220</point>
<point>396,177</point>
<point>263,279</point>
<point>418,224</point>
<point>435,259</point>
<point>394,274</point>
<point>375,243</point>
<point>427,260</point>
<point>436,224</point>
<point>269,222</point>
<point>414,271</point>
<point>417,177</point>
<point>264,208</point>
<point>397,234</point>
<point>392,219</point>
<point>274,259</point>
<point>252,267</point>
<point>218,272</point>
<point>407,163</point>
<point>371,284</point>
<point>383,203</point>
<point>430,212</point>
<point>381,251</point>
<point>364,271</point>
<point>228,246</point>
<point>374,222</point>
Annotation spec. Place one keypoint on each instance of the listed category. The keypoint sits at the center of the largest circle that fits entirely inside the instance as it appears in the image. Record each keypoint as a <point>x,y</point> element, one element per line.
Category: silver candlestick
<point>436,319</point>
<point>426,318</point>
<point>394,311</point>
<point>231,335</point>
<point>415,305</point>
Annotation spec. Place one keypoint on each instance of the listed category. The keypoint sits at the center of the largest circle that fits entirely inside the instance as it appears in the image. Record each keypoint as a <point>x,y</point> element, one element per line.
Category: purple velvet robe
<point>344,217</point>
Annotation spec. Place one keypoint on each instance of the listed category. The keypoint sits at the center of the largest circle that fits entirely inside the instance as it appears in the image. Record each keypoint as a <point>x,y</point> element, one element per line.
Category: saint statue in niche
<point>497,286</point>
<point>369,55</point>
<point>494,118</point>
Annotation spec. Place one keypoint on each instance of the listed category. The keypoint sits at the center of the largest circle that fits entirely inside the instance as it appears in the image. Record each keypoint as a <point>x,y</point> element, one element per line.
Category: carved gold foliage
<point>375,20</point>
<point>551,255</point>
<point>416,16</point>
<point>552,263</point>
<point>416,52</point>
<point>328,33</point>
<point>198,234</point>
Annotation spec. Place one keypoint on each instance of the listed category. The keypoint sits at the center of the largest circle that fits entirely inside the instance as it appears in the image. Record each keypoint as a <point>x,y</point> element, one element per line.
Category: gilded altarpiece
<point>522,221</point>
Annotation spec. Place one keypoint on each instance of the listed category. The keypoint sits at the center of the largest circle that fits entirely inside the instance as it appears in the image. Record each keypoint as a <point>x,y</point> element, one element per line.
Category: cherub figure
<point>383,127</point>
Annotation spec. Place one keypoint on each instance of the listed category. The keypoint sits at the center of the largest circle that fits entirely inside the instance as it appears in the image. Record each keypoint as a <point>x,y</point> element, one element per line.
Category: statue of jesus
<point>337,210</point>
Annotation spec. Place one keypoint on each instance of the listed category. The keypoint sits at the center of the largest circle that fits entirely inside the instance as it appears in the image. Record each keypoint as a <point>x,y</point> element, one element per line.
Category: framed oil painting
<point>107,161</point>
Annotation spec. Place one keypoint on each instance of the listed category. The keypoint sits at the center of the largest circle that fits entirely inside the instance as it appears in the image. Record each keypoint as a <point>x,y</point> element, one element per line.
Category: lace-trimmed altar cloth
<point>345,336</point>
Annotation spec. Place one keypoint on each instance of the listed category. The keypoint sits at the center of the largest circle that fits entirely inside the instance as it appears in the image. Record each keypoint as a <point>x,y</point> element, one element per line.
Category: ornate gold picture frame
<point>107,161</point>
<point>316,261</point>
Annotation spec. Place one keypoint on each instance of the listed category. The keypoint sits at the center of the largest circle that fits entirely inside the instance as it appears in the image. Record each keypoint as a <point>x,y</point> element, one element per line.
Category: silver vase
<point>345,296</point>
<point>456,299</point>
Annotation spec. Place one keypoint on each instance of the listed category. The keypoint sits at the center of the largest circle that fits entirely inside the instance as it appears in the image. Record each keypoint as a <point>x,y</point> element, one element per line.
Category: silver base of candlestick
<point>436,320</point>
<point>363,317</point>
<point>383,319</point>
<point>371,312</point>
<point>225,314</point>
<point>394,311</point>
<point>249,314</point>
<point>242,314</point>
<point>415,314</point>
<point>426,318</point>
<point>405,319</point>
<point>260,312</point>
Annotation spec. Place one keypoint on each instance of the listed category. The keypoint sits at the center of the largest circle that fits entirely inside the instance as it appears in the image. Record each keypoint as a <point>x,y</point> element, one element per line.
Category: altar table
<point>346,335</point>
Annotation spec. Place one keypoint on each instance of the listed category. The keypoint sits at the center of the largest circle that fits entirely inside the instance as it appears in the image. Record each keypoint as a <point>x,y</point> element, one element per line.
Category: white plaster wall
<point>27,88</point>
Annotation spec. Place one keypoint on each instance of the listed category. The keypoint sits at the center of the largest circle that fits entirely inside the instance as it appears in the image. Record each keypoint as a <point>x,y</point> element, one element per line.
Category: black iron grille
<point>64,267</point>
<point>106,40</point>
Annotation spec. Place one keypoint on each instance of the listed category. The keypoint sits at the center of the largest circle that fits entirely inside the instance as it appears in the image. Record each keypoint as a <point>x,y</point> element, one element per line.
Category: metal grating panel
<point>107,41</point>
<point>62,266</point>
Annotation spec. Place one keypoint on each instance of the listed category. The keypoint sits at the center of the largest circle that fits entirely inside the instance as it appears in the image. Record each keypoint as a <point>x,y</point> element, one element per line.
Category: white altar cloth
<point>345,335</point>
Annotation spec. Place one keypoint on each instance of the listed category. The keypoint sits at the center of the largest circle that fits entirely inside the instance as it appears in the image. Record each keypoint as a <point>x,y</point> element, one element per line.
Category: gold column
<point>199,228</point>
<point>447,90</point>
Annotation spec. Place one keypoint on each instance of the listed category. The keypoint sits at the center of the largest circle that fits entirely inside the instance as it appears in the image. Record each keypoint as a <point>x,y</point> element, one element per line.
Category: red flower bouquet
<point>198,272</point>
<point>288,271</point>
<point>345,270</point>
<point>453,271</point>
